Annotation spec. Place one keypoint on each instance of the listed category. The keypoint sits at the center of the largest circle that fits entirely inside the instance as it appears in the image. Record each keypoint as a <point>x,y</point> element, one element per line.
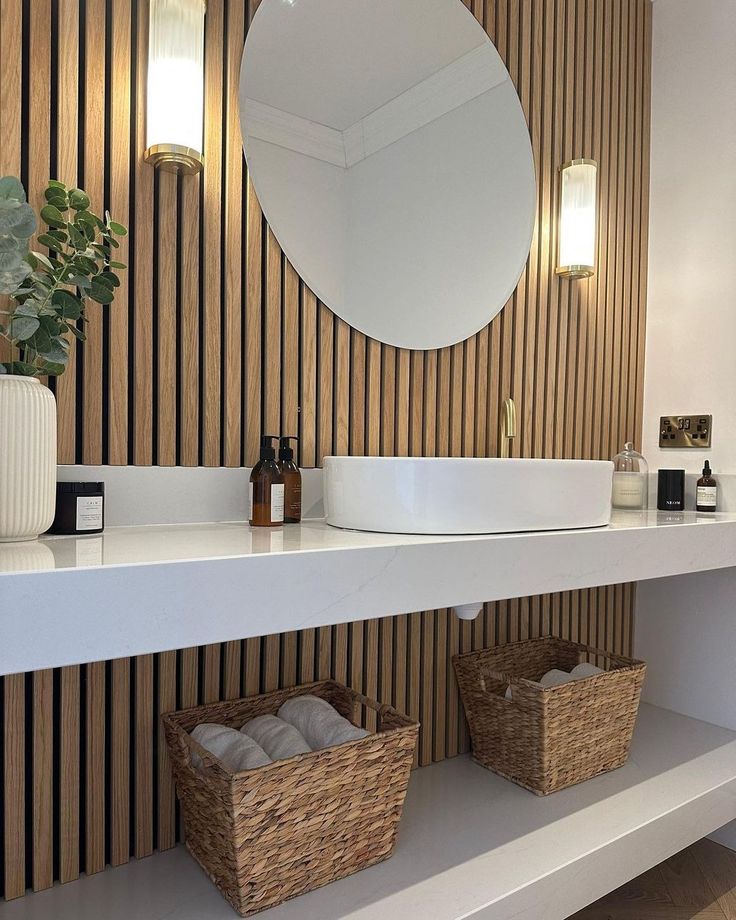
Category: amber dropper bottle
<point>266,488</point>
<point>292,482</point>
<point>706,491</point>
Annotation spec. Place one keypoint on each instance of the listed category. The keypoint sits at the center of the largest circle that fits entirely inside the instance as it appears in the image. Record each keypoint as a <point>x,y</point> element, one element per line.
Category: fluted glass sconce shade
<point>578,218</point>
<point>175,110</point>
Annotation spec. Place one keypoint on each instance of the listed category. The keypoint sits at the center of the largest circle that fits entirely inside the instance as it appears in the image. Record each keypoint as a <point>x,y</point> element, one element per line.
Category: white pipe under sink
<point>468,611</point>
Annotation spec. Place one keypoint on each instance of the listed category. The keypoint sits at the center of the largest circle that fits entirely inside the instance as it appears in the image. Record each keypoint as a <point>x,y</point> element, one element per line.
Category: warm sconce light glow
<point>175,114</point>
<point>578,218</point>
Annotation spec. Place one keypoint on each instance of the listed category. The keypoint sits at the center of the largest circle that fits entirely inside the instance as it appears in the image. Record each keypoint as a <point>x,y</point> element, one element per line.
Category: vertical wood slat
<point>67,113</point>
<point>212,229</point>
<point>14,785</point>
<point>120,740</point>
<point>93,174</point>
<point>14,707</point>
<point>166,332</point>
<point>94,742</point>
<point>141,248</point>
<point>119,204</point>
<point>232,241</point>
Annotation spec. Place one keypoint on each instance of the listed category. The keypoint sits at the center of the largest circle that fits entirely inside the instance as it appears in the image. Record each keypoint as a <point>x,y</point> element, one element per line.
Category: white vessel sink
<point>441,495</point>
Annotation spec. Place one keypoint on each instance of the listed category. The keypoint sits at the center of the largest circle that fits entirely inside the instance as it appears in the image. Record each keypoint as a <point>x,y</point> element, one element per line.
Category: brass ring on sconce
<point>175,158</point>
<point>575,271</point>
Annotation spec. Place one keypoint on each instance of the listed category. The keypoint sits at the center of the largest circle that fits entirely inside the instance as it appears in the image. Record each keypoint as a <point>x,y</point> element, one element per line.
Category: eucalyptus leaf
<point>21,368</point>
<point>19,221</point>
<point>109,279</point>
<point>11,243</point>
<point>78,281</point>
<point>54,195</point>
<point>23,327</point>
<point>52,369</point>
<point>53,216</point>
<point>12,188</point>
<point>10,260</point>
<point>68,304</point>
<point>101,293</point>
<point>44,260</point>
<point>45,239</point>
<point>78,199</point>
<point>27,308</point>
<point>40,341</point>
<point>77,238</point>
<point>10,280</point>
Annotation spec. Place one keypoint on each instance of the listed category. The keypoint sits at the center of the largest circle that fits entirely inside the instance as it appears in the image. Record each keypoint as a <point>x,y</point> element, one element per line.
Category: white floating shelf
<point>471,844</point>
<point>135,590</point>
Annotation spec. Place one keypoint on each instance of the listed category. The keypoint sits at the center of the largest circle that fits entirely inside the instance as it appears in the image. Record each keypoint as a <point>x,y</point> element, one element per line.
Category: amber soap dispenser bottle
<point>266,490</point>
<point>292,482</point>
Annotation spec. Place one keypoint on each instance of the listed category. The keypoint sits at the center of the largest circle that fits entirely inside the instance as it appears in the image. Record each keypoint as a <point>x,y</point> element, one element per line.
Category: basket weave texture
<point>548,739</point>
<point>267,835</point>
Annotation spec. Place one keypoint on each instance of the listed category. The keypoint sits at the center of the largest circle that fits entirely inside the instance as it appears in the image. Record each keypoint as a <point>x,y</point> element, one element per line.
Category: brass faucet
<point>507,427</point>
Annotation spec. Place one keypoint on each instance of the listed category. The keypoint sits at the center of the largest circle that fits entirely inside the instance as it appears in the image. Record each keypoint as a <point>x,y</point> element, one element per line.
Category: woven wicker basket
<point>266,835</point>
<point>547,739</point>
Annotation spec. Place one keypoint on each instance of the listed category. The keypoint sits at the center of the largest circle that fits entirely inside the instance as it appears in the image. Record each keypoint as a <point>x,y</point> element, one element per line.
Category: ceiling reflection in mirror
<point>391,157</point>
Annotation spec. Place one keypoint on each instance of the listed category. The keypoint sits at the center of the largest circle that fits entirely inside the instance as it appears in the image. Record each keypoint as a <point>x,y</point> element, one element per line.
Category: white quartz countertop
<point>134,590</point>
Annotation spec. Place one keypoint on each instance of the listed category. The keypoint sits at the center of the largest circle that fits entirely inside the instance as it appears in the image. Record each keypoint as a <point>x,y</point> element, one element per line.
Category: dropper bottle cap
<point>707,469</point>
<point>286,452</point>
<point>267,450</point>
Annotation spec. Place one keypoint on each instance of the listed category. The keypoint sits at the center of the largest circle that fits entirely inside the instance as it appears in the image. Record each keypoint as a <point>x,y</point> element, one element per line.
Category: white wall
<point>685,627</point>
<point>691,322</point>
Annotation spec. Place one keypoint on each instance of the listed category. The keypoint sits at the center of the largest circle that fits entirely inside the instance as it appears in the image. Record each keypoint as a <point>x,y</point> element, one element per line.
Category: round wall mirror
<point>391,157</point>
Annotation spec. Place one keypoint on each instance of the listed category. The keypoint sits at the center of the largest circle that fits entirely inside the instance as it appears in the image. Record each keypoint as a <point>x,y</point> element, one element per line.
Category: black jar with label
<point>80,508</point>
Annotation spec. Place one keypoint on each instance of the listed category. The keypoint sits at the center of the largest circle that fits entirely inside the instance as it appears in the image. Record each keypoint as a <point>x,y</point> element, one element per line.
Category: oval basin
<point>442,495</point>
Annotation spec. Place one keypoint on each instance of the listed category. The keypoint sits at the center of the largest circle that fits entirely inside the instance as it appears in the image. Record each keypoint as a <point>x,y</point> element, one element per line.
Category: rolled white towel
<point>555,677</point>
<point>320,724</point>
<point>235,751</point>
<point>279,739</point>
<point>581,671</point>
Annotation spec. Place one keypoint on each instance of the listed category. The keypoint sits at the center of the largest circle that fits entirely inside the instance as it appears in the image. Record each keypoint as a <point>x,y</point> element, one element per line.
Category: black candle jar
<point>80,508</point>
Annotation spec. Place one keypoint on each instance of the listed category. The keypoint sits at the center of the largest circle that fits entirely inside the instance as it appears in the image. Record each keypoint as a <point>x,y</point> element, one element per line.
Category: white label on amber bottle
<point>707,496</point>
<point>277,504</point>
<point>250,501</point>
<point>89,512</point>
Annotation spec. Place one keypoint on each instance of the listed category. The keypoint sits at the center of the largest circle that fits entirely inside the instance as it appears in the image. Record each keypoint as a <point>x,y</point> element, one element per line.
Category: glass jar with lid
<point>630,480</point>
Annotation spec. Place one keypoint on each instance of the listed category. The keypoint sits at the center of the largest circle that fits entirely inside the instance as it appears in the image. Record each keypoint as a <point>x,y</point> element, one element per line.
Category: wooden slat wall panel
<point>214,339</point>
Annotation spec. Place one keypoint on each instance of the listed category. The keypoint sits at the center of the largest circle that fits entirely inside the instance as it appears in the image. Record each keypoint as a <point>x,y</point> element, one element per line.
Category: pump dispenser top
<point>286,452</point>
<point>268,452</point>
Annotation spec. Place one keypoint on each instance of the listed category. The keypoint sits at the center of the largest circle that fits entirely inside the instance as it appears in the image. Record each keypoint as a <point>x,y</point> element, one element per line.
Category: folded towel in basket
<point>320,724</point>
<point>553,678</point>
<point>279,739</point>
<point>233,749</point>
<point>585,669</point>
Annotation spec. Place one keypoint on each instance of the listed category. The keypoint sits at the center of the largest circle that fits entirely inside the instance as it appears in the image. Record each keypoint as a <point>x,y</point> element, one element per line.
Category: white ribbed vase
<point>27,458</point>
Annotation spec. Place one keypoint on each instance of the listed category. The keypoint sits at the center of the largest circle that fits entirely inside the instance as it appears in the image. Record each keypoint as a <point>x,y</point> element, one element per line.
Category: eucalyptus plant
<point>47,294</point>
